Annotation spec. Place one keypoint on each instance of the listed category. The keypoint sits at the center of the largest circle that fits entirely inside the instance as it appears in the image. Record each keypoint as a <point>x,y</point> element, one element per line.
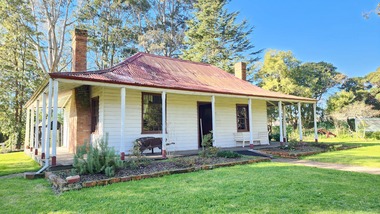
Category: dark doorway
<point>204,120</point>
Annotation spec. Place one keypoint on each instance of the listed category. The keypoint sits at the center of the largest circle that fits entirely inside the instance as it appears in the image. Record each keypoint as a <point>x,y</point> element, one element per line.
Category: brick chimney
<point>240,70</point>
<point>79,44</point>
<point>80,102</point>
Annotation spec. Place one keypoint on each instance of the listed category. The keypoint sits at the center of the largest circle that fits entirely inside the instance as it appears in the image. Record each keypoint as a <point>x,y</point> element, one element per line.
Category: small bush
<point>138,160</point>
<point>98,158</point>
<point>207,149</point>
<point>228,154</point>
<point>184,162</point>
<point>373,135</point>
<point>275,137</point>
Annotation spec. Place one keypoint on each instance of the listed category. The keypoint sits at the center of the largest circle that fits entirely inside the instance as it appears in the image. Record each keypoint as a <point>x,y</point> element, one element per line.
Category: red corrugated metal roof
<point>149,70</point>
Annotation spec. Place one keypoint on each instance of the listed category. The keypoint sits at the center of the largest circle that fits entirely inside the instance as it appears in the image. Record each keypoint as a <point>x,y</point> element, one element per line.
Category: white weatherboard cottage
<point>146,94</point>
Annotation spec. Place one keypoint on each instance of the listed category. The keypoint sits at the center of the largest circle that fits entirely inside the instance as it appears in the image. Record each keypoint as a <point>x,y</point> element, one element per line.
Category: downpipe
<point>46,165</point>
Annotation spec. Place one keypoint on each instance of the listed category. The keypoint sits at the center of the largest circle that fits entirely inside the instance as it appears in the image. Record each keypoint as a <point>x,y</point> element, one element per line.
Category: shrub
<point>275,137</point>
<point>207,149</point>
<point>373,135</point>
<point>228,154</point>
<point>98,158</point>
<point>184,162</point>
<point>138,160</point>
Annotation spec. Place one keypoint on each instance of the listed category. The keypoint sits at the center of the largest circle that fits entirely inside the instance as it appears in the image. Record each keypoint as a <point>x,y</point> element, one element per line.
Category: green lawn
<point>350,141</point>
<point>364,156</point>
<point>256,188</point>
<point>16,162</point>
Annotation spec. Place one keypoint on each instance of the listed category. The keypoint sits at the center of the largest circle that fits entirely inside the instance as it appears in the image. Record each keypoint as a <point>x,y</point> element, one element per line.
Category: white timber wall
<point>182,118</point>
<point>66,125</point>
<point>226,120</point>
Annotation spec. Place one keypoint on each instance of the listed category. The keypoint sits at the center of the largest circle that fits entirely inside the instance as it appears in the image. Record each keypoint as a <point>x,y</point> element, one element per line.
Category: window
<point>151,113</point>
<point>242,119</point>
<point>94,114</point>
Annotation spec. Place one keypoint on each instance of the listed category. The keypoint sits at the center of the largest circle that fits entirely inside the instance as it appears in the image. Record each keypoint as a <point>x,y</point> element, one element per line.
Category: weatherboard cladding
<point>149,70</point>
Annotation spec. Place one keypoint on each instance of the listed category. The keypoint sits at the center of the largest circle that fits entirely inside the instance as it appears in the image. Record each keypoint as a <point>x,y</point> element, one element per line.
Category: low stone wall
<point>72,182</point>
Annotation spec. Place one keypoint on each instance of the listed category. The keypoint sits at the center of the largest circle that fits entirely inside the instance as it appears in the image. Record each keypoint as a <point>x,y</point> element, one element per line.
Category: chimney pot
<point>241,70</point>
<point>79,44</point>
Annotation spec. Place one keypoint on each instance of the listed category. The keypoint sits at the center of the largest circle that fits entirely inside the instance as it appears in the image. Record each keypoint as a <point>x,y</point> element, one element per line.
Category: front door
<point>204,120</point>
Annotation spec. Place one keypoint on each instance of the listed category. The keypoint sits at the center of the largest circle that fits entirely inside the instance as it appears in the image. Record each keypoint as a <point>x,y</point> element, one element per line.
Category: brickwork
<point>80,110</point>
<point>79,44</point>
<point>80,117</point>
<point>241,70</point>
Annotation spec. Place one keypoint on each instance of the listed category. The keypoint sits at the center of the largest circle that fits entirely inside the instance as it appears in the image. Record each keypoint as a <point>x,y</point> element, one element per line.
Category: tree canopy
<point>215,37</point>
<point>282,72</point>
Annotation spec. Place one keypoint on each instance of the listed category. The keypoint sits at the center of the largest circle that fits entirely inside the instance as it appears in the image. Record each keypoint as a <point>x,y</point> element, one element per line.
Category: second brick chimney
<point>241,70</point>
<point>79,44</point>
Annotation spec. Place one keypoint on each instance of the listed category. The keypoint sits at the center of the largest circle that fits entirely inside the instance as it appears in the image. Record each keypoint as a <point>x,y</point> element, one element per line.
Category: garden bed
<point>296,150</point>
<point>61,183</point>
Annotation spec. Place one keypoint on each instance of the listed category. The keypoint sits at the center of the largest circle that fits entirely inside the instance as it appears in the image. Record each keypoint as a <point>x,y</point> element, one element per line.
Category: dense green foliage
<point>98,158</point>
<point>359,97</point>
<point>282,72</point>
<point>256,188</point>
<point>19,73</point>
<point>16,162</point>
<point>215,37</point>
<point>228,154</point>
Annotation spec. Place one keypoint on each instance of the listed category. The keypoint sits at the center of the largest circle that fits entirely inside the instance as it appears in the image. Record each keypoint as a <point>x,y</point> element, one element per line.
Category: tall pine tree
<point>215,37</point>
<point>19,72</point>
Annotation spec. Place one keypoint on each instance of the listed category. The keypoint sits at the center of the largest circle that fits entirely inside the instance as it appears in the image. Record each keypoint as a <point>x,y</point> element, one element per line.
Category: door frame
<point>199,103</point>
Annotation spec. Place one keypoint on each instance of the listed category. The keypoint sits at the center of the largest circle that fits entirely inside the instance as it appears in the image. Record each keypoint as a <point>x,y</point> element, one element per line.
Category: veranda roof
<point>149,70</point>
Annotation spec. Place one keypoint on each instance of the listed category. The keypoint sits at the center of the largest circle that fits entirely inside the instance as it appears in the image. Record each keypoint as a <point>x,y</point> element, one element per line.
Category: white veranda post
<point>31,137</point>
<point>48,128</point>
<point>163,99</point>
<point>280,121</point>
<point>36,137</point>
<point>43,127</point>
<point>213,120</point>
<point>300,121</point>
<point>315,122</point>
<point>250,123</point>
<point>284,122</point>
<point>122,123</point>
<point>27,128</point>
<point>55,117</point>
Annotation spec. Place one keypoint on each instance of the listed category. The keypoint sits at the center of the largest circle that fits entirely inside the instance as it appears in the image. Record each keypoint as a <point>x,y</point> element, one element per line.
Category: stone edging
<point>62,185</point>
<point>284,154</point>
<point>292,155</point>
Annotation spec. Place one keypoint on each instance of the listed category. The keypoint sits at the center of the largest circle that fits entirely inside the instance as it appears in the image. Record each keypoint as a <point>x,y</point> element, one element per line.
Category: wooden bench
<point>245,137</point>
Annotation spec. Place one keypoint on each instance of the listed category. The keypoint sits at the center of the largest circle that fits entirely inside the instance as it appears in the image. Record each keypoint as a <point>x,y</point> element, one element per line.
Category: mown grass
<point>350,141</point>
<point>368,156</point>
<point>16,162</point>
<point>257,188</point>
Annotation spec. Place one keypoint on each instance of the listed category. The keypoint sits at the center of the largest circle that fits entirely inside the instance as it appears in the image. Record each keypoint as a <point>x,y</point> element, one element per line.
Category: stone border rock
<point>61,185</point>
<point>291,155</point>
<point>285,154</point>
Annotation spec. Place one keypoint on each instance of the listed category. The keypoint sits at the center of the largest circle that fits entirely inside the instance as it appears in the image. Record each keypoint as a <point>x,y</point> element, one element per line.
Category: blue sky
<point>317,30</point>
